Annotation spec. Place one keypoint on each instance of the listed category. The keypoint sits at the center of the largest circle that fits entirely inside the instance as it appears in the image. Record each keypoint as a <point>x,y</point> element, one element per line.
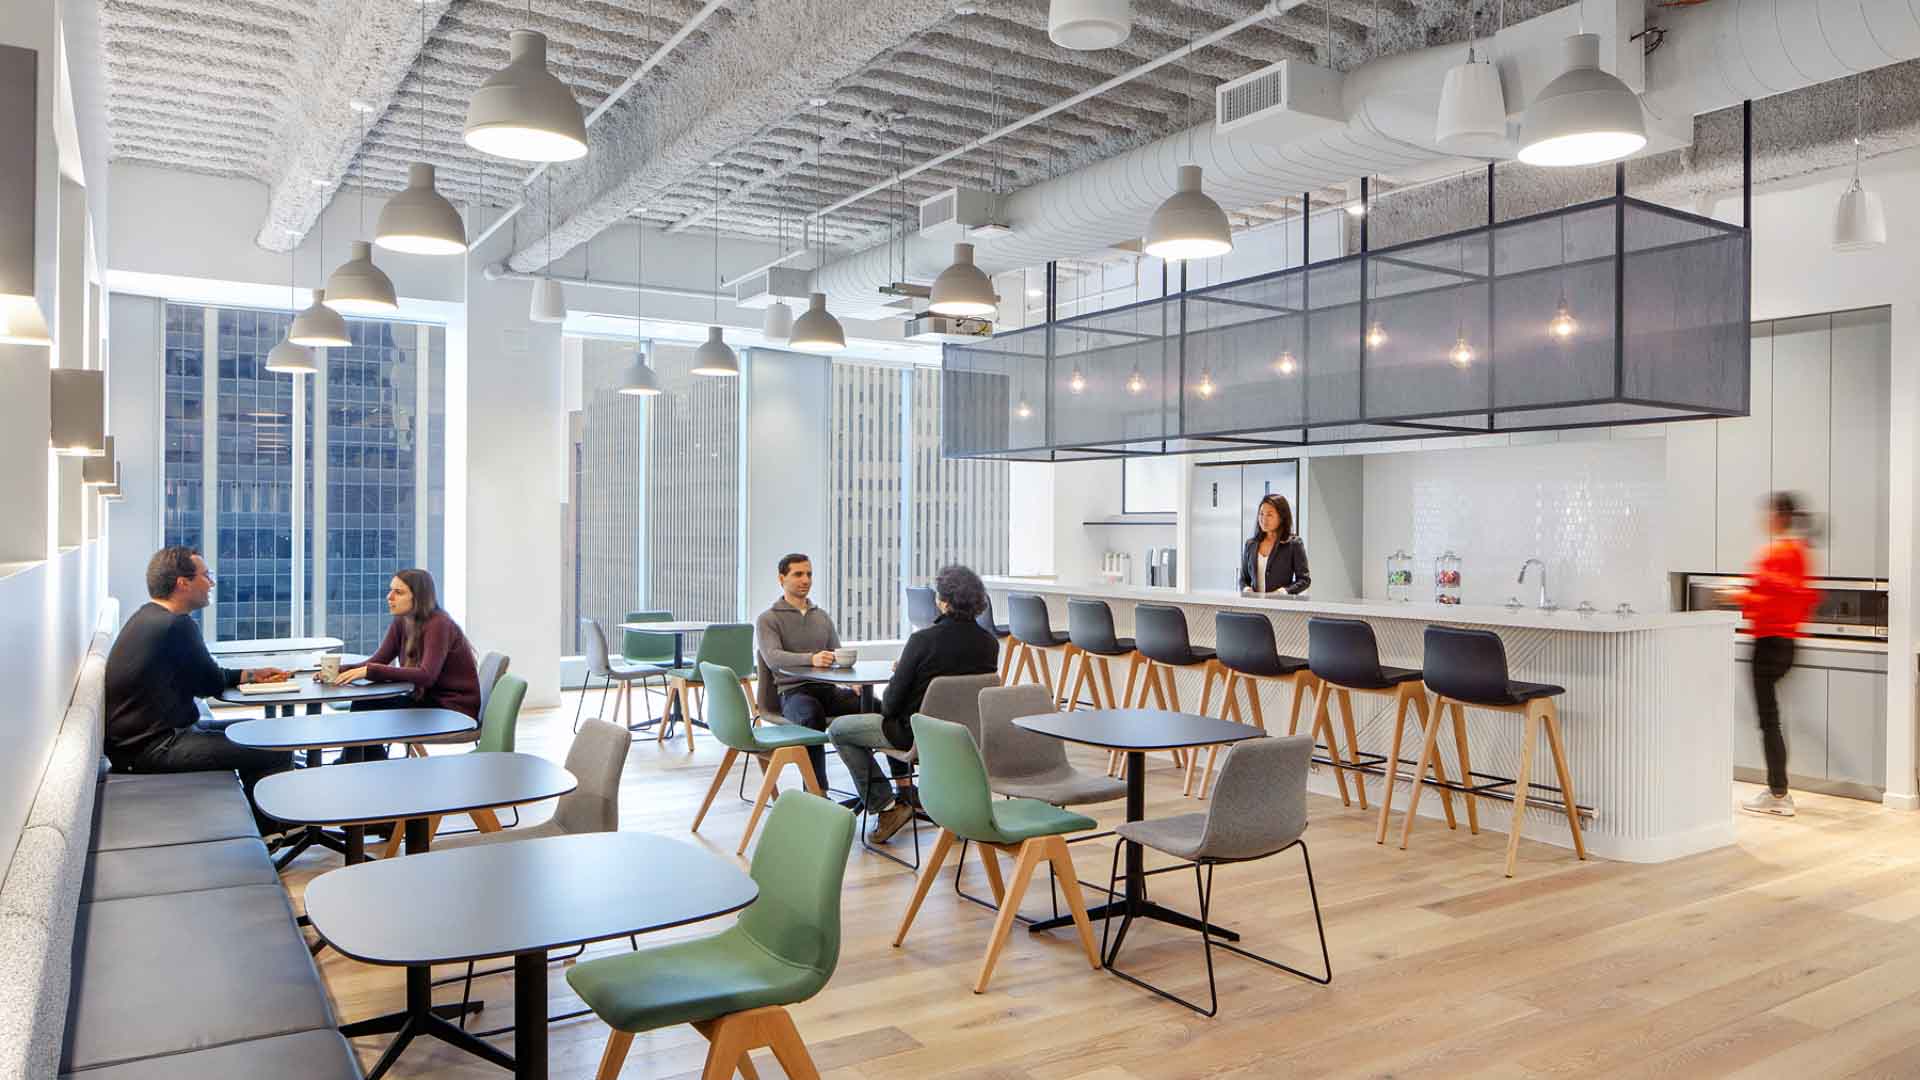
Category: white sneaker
<point>1768,803</point>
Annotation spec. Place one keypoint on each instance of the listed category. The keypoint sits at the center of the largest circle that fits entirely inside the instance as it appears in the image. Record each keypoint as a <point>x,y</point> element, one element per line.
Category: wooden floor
<point>1795,953</point>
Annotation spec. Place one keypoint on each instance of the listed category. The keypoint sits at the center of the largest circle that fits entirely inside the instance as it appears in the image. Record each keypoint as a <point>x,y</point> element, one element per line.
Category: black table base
<point>1134,903</point>
<point>423,1017</point>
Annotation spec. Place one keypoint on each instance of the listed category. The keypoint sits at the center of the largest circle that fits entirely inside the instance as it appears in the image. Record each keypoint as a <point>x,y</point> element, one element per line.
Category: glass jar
<point>1400,576</point>
<point>1446,579</point>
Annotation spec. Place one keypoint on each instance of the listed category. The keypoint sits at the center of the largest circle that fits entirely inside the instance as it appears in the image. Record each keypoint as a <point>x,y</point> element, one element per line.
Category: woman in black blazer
<point>1274,542</point>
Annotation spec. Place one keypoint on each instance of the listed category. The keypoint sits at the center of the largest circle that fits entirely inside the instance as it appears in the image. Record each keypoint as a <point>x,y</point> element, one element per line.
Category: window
<point>602,528</point>
<point>693,491</point>
<point>242,469</point>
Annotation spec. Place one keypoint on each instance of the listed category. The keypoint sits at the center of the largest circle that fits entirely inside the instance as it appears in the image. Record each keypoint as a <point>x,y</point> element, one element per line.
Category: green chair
<point>642,647</point>
<point>776,745</point>
<point>734,986</point>
<point>955,794</point>
<point>729,645</point>
<point>497,724</point>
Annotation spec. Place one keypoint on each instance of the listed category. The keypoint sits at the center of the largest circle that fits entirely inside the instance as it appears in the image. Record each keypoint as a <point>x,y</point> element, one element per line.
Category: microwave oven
<point>1848,607</point>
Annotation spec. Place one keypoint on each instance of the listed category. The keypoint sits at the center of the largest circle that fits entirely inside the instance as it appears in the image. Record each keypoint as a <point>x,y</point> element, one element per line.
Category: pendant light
<point>1205,388</point>
<point>639,379</point>
<point>1461,355</point>
<point>549,301</point>
<point>816,330</point>
<point>319,325</point>
<point>1562,326</point>
<point>1189,225</point>
<point>1077,383</point>
<point>1473,107</point>
<point>1376,335</point>
<point>357,286</point>
<point>419,220</point>
<point>1286,364</point>
<point>1136,382</point>
<point>963,288</point>
<point>290,357</point>
<point>1023,410</point>
<point>715,357</point>
<point>1089,25</point>
<point>776,323</point>
<point>1585,116</point>
<point>1859,223</point>
<point>522,111</point>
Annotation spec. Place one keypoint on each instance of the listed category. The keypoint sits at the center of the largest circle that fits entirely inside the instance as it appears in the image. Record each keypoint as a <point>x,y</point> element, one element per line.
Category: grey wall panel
<point>1744,464</point>
<point>1857,727</point>
<point>787,403</point>
<point>135,400</point>
<point>1802,413</point>
<point>1856,542</point>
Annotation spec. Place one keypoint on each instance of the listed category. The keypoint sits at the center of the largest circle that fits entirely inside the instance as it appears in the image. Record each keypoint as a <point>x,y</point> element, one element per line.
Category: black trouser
<point>202,748</point>
<point>1772,659</point>
<point>814,705</point>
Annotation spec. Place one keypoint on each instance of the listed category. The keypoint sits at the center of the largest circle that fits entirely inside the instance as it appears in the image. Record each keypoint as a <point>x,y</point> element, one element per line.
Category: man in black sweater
<point>954,645</point>
<point>158,666</point>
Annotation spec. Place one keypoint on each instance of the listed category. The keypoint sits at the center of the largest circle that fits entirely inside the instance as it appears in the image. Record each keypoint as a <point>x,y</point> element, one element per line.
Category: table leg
<point>530,1015</point>
<point>422,1017</point>
<point>356,844</point>
<point>674,712</point>
<point>419,837</point>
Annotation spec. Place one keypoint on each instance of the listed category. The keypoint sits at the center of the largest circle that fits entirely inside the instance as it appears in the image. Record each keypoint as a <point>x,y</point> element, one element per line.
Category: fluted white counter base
<point>1647,716</point>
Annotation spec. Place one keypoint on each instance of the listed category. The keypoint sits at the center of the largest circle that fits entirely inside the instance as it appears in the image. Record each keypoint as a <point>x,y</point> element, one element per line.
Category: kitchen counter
<point>1648,713</point>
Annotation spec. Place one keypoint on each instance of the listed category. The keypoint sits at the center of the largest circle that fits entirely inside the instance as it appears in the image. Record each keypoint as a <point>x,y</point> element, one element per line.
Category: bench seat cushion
<point>188,971</point>
<point>175,808</point>
<point>309,1055</point>
<point>156,871</point>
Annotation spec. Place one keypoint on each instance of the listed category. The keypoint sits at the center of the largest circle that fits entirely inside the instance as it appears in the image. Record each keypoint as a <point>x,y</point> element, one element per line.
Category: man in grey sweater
<point>796,633</point>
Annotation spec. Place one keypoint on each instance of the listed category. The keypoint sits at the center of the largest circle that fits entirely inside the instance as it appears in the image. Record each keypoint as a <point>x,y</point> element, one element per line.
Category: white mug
<point>845,657</point>
<point>330,666</point>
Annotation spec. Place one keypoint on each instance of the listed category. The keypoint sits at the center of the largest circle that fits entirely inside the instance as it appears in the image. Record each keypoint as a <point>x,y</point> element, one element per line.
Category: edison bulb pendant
<point>1376,336</point>
<point>1023,410</point>
<point>1562,325</point>
<point>1461,355</point>
<point>1135,383</point>
<point>1077,382</point>
<point>1206,388</point>
<point>1286,365</point>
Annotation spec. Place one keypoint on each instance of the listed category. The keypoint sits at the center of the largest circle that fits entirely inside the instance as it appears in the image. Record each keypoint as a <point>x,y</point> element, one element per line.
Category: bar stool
<point>1090,628</point>
<point>1034,638</point>
<point>1345,656</point>
<point>1469,667</point>
<point>1160,633</point>
<point>921,610</point>
<point>1246,650</point>
<point>1001,632</point>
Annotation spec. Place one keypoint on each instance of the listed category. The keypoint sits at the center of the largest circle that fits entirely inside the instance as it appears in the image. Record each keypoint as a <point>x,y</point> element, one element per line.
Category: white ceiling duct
<point>1714,56</point>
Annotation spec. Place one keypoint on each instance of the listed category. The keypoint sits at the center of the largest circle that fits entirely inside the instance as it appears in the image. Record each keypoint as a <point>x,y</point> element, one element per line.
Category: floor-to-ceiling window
<point>693,491</point>
<point>602,530</point>
<point>255,459</point>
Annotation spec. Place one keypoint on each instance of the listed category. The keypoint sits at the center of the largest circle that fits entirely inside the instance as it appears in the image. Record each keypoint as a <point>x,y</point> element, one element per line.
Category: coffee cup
<point>845,657</point>
<point>330,666</point>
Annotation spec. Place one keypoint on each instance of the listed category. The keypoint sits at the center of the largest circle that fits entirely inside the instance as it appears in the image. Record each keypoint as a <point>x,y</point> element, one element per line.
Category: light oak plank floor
<point>1794,953</point>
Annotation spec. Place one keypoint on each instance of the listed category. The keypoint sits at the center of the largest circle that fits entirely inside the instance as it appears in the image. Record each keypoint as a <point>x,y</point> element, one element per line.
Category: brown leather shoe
<point>890,821</point>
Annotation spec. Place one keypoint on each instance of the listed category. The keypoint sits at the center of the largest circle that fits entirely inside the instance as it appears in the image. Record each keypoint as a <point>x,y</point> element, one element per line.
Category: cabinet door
<point>1691,500</point>
<point>1802,414</point>
<point>1746,720</point>
<point>1743,464</point>
<point>1803,713</point>
<point>1857,727</point>
<point>1856,541</point>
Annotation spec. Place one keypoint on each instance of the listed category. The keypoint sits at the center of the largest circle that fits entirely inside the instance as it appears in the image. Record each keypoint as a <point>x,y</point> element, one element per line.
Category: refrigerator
<point>1223,503</point>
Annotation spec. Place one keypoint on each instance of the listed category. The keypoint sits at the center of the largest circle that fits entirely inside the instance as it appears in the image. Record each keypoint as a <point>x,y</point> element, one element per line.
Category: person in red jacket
<point>1775,603</point>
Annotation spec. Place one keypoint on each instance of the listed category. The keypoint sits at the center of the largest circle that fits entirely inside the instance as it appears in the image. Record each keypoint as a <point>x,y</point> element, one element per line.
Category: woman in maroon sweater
<point>425,647</point>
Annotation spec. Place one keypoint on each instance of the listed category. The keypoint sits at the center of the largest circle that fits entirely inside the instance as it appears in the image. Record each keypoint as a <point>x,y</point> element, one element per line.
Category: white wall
<point>1590,511</point>
<point>1797,272</point>
<point>134,396</point>
<point>786,452</point>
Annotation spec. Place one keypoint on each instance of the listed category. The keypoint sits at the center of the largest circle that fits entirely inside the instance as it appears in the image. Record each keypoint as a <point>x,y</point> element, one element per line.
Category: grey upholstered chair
<point>492,666</point>
<point>1026,765</point>
<point>955,699</point>
<point>1259,809</point>
<point>601,665</point>
<point>597,758</point>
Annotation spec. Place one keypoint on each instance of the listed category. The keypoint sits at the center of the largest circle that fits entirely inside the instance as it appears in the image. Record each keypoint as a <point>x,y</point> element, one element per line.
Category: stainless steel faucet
<point>1546,602</point>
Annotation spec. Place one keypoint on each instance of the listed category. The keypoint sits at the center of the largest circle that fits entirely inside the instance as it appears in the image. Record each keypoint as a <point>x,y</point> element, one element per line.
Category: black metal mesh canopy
<point>1610,312</point>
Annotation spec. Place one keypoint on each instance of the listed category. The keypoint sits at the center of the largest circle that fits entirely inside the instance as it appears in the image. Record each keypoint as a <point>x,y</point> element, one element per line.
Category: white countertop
<point>1465,614</point>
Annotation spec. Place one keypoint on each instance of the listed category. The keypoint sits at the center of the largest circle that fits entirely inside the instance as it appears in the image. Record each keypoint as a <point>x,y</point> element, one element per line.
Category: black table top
<point>1138,729</point>
<point>543,893</point>
<point>303,690</point>
<point>862,673</point>
<point>350,729</point>
<point>409,787</point>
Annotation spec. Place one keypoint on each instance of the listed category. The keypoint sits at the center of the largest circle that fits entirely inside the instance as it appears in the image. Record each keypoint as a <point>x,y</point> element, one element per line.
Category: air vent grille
<point>1251,95</point>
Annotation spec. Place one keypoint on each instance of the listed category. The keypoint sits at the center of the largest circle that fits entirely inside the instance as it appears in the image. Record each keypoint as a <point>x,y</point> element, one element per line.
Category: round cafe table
<point>539,894</point>
<point>863,675</point>
<point>679,631</point>
<point>1135,732</point>
<point>302,690</point>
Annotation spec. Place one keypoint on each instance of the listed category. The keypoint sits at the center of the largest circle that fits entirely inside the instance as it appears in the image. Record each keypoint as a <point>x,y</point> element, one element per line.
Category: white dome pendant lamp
<point>1087,25</point>
<point>816,330</point>
<point>357,286</point>
<point>715,357</point>
<point>549,301</point>
<point>522,112</point>
<point>319,326</point>
<point>776,323</point>
<point>1859,223</point>
<point>1189,225</point>
<point>639,380</point>
<point>963,288</point>
<point>419,220</point>
<point>288,357</point>
<point>1585,116</point>
<point>1473,108</point>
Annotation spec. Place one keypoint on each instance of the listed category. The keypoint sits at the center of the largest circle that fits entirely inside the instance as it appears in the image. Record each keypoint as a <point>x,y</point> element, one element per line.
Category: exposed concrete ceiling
<point>802,102</point>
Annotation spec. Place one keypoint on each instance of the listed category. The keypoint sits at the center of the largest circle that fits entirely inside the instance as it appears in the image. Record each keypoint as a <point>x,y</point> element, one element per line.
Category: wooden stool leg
<point>1056,853</point>
<point>1007,646</point>
<point>1530,735</point>
<point>1428,750</point>
<point>1393,767</point>
<point>1046,673</point>
<point>615,1055</point>
<point>787,1046</point>
<point>1083,679</point>
<point>1353,744</point>
<point>1106,685</point>
<point>1466,764</point>
<point>990,862</point>
<point>1230,709</point>
<point>1418,694</point>
<point>1031,852</point>
<point>1133,669</point>
<point>773,766</point>
<point>1550,719</point>
<point>941,845</point>
<point>1253,699</point>
<point>1304,682</point>
<point>1323,728</point>
<point>713,789</point>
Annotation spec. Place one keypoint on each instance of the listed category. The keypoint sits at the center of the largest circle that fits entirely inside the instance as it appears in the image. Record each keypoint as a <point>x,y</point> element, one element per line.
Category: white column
<point>210,456</point>
<point>297,448</point>
<point>1903,559</point>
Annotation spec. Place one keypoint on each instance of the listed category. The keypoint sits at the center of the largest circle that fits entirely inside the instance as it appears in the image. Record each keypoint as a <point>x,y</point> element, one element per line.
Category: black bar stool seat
<point>1034,637</point>
<point>1345,656</point>
<point>1090,628</point>
<point>1247,652</point>
<point>1160,633</point>
<point>1469,667</point>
